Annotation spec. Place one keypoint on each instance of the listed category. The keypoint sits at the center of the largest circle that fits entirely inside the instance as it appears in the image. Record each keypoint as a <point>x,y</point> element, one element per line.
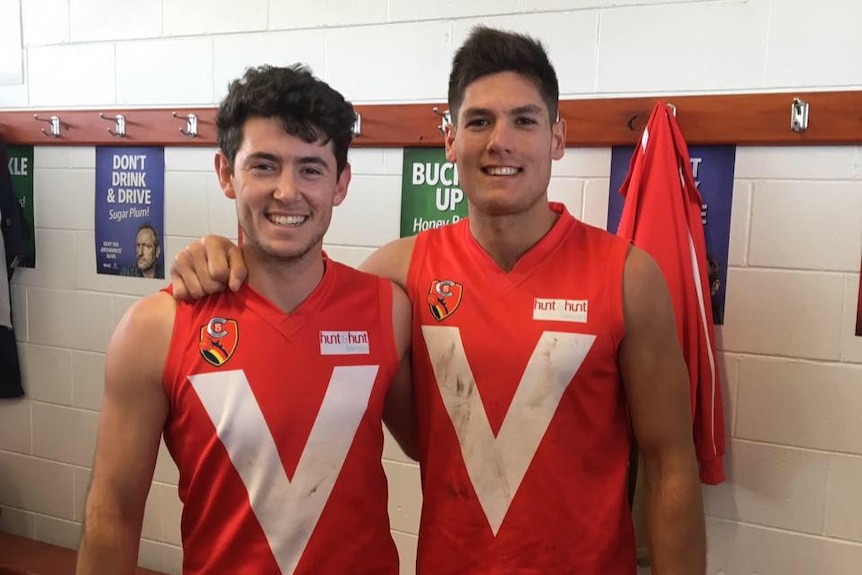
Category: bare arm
<point>207,266</point>
<point>399,413</point>
<point>657,388</point>
<point>127,441</point>
<point>391,261</point>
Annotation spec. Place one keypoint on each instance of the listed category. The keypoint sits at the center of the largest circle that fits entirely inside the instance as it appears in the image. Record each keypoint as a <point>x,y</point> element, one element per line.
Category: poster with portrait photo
<point>130,215</point>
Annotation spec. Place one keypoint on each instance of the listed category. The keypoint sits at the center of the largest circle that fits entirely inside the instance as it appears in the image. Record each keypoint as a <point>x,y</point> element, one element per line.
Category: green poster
<point>430,194</point>
<point>21,168</point>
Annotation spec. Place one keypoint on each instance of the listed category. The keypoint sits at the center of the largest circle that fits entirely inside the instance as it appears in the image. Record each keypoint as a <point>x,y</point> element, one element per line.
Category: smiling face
<point>503,143</point>
<point>285,189</point>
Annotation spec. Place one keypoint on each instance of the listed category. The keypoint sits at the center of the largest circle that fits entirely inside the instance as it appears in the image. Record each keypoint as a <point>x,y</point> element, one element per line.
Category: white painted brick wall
<point>71,75</point>
<point>563,5</point>
<point>88,371</point>
<point>740,548</point>
<point>186,197</point>
<point>64,434</point>
<point>370,214</point>
<point>820,42</point>
<point>405,497</point>
<point>45,22</point>
<point>783,313</point>
<point>160,556</point>
<point>289,15</point>
<point>12,63</point>
<point>791,365</point>
<point>406,544</point>
<point>806,225</point>
<point>15,427</point>
<point>803,404</point>
<point>68,199</point>
<point>399,61</point>
<point>406,10</point>
<point>236,52</point>
<point>844,498</point>
<point>164,72</point>
<point>166,471</point>
<point>57,531</point>
<point>94,20</point>
<point>206,17</point>
<point>573,48</point>
<point>851,346</point>
<point>728,365</point>
<point>740,220</point>
<point>36,485</point>
<point>775,486</point>
<point>684,47</point>
<point>14,96</point>
<point>798,163</point>
<point>569,192</point>
<point>48,370</point>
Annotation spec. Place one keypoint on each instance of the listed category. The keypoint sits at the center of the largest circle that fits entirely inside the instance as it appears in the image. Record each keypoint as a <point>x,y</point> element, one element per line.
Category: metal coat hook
<point>120,121</point>
<point>56,125</point>
<point>631,122</point>
<point>356,128</point>
<point>445,119</point>
<point>191,129</point>
<point>799,115</point>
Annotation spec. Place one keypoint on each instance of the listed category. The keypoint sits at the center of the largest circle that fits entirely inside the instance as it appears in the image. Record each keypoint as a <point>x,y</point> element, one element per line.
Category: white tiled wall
<point>791,364</point>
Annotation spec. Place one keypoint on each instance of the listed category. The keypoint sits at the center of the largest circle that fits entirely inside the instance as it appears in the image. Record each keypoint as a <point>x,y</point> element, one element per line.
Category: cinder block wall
<point>791,364</point>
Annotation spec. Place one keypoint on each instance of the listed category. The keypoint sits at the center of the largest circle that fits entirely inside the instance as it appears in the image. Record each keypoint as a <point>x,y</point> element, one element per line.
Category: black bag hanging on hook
<point>11,250</point>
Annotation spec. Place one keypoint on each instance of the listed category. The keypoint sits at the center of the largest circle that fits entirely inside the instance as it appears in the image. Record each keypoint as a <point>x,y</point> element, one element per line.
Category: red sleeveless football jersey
<point>524,432</point>
<point>275,426</point>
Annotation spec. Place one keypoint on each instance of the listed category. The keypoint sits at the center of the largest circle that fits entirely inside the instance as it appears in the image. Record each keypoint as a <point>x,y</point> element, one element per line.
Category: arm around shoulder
<point>657,390</point>
<point>392,261</point>
<point>399,413</point>
<point>131,420</point>
<point>207,266</point>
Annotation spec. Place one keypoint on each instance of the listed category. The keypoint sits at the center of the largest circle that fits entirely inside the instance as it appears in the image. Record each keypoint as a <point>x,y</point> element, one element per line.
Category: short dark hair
<point>307,107</point>
<point>157,242</point>
<point>488,51</point>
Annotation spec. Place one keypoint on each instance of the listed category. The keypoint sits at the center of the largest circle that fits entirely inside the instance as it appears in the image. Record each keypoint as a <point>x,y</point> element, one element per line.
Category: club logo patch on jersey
<point>444,298</point>
<point>219,338</point>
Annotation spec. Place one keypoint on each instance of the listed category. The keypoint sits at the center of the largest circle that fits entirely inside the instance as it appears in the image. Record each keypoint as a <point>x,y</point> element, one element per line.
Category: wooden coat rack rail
<point>743,119</point>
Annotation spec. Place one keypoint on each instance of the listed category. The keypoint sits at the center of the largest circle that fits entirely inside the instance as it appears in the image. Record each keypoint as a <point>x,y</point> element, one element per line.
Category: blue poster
<point>712,168</point>
<point>130,211</point>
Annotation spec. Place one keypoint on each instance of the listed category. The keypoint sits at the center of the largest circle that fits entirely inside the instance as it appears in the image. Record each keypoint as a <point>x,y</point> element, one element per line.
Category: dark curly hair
<point>307,107</point>
<point>488,51</point>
